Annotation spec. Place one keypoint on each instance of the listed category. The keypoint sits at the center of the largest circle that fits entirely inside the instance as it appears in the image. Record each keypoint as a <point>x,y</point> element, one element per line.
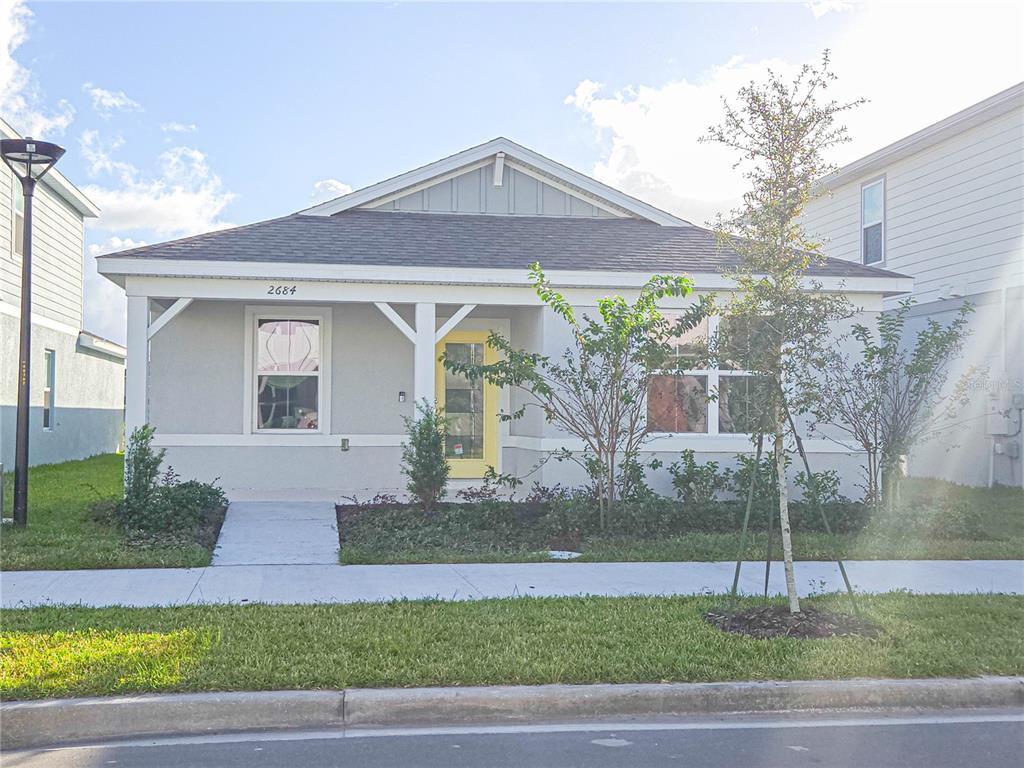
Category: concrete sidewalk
<point>373,583</point>
<point>278,533</point>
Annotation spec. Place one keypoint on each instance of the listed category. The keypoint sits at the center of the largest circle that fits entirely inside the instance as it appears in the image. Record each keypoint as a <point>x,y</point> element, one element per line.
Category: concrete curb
<point>38,723</point>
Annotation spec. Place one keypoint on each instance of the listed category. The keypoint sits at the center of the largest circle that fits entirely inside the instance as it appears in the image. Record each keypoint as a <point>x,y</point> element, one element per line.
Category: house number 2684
<point>281,290</point>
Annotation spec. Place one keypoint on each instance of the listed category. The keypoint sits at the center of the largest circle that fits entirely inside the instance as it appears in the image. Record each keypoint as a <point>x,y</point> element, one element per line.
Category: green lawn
<point>48,652</point>
<point>63,530</point>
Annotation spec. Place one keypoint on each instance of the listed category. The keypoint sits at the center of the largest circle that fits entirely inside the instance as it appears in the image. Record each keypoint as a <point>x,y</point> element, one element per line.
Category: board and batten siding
<point>954,212</point>
<point>58,239</point>
<point>475,192</point>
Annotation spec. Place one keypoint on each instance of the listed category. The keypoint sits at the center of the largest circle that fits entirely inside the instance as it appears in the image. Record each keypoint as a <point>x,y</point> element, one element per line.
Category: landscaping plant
<point>156,503</point>
<point>423,459</point>
<point>597,390</point>
<point>891,394</point>
<point>777,324</point>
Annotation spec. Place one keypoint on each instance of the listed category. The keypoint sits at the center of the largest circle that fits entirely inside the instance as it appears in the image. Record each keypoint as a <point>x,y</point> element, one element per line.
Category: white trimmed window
<point>288,361</point>
<point>49,387</point>
<point>872,222</point>
<point>677,403</point>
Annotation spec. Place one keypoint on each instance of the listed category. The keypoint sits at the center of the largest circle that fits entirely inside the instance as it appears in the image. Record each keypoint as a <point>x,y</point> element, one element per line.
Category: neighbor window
<point>18,236</point>
<point>287,357</point>
<point>872,222</point>
<point>678,402</point>
<point>50,368</point>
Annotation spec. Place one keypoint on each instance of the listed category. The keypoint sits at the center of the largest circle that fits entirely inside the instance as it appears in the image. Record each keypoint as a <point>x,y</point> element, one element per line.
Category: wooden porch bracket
<point>396,320</point>
<point>451,322</point>
<point>166,316</point>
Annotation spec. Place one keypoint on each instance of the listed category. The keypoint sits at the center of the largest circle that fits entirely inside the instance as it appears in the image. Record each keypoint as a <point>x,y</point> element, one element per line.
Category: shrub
<point>423,459</point>
<point>161,504</point>
<point>697,483</point>
<point>141,470</point>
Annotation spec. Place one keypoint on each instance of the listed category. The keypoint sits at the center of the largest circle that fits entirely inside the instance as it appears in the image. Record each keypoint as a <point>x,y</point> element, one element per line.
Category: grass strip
<point>70,651</point>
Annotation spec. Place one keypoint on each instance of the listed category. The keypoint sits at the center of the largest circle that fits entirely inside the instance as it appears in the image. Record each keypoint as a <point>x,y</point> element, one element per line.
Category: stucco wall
<point>196,390</point>
<point>88,413</point>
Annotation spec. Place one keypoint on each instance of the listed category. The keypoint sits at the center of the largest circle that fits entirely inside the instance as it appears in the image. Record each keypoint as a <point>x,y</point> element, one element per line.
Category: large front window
<point>680,403</point>
<point>288,355</point>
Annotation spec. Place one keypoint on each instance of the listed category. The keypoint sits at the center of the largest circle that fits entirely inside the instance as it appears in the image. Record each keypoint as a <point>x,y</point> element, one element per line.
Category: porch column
<point>424,357</point>
<point>137,369</point>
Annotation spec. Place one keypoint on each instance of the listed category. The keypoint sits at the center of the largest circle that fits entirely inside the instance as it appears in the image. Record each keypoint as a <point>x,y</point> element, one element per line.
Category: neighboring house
<point>77,386</point>
<point>283,356</point>
<point>946,206</point>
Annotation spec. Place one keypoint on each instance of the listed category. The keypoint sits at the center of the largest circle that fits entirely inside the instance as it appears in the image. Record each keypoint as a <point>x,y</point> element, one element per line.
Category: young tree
<point>597,390</point>
<point>891,395</point>
<point>777,324</point>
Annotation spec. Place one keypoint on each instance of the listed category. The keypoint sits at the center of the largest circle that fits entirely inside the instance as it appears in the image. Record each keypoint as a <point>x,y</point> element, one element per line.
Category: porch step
<point>278,533</point>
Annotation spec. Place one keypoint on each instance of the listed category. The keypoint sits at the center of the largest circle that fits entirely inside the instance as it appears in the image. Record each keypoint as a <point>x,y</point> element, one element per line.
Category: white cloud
<point>107,102</point>
<point>328,189</point>
<point>105,309</point>
<point>898,56</point>
<point>20,99</point>
<point>175,127</point>
<point>821,7</point>
<point>184,198</point>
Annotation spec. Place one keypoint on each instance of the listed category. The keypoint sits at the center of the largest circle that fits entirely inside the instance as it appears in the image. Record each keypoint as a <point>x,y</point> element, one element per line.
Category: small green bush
<point>698,483</point>
<point>161,504</point>
<point>423,459</point>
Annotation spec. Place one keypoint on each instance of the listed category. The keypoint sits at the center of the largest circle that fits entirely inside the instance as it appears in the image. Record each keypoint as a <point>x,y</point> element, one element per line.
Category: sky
<point>181,118</point>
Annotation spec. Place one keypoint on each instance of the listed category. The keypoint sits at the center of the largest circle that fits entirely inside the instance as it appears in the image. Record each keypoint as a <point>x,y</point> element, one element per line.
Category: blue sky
<point>184,117</point>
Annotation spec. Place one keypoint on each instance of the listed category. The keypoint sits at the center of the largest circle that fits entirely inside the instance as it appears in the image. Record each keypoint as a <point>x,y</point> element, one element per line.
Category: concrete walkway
<point>278,533</point>
<point>360,583</point>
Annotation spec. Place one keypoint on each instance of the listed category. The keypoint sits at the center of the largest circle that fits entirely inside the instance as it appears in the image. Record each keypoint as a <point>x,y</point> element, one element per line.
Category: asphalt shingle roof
<point>380,238</point>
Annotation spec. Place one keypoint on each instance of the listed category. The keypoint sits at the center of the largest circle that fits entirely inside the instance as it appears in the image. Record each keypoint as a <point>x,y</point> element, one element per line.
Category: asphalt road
<point>977,739</point>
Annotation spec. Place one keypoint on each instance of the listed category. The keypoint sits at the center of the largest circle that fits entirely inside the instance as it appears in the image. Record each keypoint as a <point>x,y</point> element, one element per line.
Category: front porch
<point>306,400</point>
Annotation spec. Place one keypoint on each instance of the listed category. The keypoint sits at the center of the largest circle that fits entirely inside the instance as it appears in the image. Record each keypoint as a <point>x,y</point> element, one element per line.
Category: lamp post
<point>30,160</point>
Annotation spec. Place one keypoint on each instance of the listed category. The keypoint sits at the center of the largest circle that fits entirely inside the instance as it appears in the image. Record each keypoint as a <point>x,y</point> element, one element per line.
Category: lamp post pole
<point>30,160</point>
<point>28,186</point>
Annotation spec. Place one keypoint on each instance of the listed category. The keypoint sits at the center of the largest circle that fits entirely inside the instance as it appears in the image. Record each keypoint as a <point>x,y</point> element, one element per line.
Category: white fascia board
<point>992,107</point>
<point>455,163</point>
<point>57,182</point>
<point>94,343</point>
<point>113,266</point>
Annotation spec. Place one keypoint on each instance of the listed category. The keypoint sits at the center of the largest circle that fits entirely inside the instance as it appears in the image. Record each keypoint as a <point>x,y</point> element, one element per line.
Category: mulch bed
<point>776,621</point>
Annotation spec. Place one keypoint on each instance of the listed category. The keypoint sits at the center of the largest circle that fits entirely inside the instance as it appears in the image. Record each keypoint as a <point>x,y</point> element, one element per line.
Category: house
<point>284,356</point>
<point>77,387</point>
<point>945,206</point>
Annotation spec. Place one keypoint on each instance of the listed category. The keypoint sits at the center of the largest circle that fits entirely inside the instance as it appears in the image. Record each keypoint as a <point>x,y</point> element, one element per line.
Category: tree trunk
<point>787,540</point>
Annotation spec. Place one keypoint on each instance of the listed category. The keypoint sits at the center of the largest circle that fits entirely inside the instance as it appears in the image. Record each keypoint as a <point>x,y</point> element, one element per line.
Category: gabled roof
<point>992,107</point>
<point>57,182</point>
<point>467,241</point>
<point>512,154</point>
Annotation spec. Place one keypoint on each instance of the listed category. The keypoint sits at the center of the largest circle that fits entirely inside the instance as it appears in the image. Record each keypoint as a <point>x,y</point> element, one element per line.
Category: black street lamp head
<point>28,158</point>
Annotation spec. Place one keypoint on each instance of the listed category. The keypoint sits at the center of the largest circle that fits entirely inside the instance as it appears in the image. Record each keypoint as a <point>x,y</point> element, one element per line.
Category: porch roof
<point>432,240</point>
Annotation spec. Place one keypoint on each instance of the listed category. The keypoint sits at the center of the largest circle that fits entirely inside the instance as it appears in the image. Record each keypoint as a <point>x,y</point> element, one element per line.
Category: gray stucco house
<point>282,356</point>
<point>77,400</point>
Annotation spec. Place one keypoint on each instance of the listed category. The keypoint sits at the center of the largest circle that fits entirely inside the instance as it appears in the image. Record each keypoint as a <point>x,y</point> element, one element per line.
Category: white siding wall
<point>57,254</point>
<point>954,212</point>
<point>474,192</point>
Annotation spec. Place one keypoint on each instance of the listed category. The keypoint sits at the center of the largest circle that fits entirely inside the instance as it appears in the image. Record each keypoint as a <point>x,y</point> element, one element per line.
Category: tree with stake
<point>777,324</point>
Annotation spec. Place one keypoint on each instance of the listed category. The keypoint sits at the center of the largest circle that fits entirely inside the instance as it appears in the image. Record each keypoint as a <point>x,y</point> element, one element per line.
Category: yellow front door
<point>471,407</point>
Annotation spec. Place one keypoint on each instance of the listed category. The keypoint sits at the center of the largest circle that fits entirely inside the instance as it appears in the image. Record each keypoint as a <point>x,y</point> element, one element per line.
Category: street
<point>975,739</point>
